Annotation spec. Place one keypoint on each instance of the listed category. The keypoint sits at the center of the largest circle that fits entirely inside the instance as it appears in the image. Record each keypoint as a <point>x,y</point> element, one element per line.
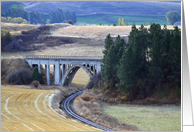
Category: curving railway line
<point>66,107</point>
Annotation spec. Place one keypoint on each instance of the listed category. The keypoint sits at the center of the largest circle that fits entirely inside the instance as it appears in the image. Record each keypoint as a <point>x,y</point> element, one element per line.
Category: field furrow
<point>29,110</point>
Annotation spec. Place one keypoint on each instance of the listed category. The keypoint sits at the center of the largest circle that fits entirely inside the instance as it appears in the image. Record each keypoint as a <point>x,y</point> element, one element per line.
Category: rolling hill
<point>148,8</point>
<point>10,4</point>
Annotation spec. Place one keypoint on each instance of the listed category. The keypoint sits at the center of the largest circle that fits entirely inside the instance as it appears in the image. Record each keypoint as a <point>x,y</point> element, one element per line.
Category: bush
<point>94,81</point>
<point>70,22</point>
<point>20,77</point>
<point>35,83</point>
<point>14,46</point>
<point>37,76</point>
<point>6,38</point>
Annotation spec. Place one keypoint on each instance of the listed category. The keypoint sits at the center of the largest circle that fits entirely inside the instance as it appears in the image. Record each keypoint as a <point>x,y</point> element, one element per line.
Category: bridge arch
<point>70,73</point>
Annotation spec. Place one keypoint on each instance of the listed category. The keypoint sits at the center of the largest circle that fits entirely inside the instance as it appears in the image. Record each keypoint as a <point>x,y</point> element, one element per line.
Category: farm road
<point>29,110</point>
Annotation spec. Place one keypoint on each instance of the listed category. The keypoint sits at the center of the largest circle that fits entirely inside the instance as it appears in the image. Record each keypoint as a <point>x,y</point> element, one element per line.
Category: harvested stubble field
<point>29,110</point>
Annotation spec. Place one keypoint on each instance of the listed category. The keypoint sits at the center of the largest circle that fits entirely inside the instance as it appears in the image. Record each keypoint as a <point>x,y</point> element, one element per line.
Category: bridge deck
<point>64,57</point>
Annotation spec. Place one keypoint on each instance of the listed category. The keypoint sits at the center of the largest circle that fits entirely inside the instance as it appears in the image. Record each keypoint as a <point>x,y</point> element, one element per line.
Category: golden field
<point>29,110</point>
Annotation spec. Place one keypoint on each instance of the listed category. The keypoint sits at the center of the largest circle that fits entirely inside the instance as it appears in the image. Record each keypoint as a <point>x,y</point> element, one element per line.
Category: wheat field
<point>29,110</point>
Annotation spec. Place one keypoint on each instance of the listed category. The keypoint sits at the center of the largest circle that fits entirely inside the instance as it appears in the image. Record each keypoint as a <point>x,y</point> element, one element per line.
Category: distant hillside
<point>10,4</point>
<point>149,8</point>
<point>26,2</point>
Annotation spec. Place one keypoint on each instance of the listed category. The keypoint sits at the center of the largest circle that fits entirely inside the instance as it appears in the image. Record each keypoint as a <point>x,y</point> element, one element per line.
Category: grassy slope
<point>110,19</point>
<point>81,77</point>
<point>8,5</point>
<point>148,118</point>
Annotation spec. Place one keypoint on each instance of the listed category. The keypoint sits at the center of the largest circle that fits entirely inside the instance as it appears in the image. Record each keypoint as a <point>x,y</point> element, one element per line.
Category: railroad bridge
<point>64,68</point>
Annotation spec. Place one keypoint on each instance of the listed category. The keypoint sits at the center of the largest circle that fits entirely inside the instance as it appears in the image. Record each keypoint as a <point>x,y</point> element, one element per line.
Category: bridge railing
<point>62,57</point>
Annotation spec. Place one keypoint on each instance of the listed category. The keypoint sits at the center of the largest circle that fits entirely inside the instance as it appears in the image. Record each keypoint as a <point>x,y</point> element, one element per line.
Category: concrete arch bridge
<point>64,68</point>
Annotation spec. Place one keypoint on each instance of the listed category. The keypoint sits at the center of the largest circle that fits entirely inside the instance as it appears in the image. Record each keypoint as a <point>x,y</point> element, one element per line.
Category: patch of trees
<point>32,17</point>
<point>121,22</point>
<point>39,18</point>
<point>60,16</point>
<point>8,43</point>
<point>6,38</point>
<point>23,76</point>
<point>150,61</point>
<point>172,17</point>
<point>18,20</point>
<point>20,77</point>
<point>37,76</point>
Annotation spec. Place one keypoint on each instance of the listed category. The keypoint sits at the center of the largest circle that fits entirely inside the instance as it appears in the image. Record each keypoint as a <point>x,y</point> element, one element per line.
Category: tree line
<point>18,20</point>
<point>150,60</point>
<point>39,18</point>
<point>60,16</point>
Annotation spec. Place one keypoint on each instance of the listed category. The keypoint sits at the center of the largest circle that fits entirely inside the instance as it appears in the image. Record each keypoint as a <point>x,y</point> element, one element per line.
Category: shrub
<point>14,46</point>
<point>70,22</point>
<point>20,77</point>
<point>35,83</point>
<point>37,76</point>
<point>20,41</point>
<point>94,81</point>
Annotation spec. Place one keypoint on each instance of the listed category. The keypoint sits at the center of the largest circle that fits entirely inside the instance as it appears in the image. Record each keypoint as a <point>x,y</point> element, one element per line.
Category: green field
<point>110,19</point>
<point>147,118</point>
<point>8,5</point>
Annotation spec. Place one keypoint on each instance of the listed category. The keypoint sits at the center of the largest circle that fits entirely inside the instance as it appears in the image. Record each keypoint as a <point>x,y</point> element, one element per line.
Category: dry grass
<point>88,106</point>
<point>147,118</point>
<point>74,49</point>
<point>30,110</point>
<point>81,77</point>
<point>97,31</point>
<point>17,28</point>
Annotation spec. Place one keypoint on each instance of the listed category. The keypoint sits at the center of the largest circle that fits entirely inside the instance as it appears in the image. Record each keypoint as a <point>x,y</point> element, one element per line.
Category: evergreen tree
<point>108,43</point>
<point>156,54</point>
<point>166,49</point>
<point>175,55</point>
<point>108,65</point>
<point>126,71</point>
<point>118,51</point>
<point>37,76</point>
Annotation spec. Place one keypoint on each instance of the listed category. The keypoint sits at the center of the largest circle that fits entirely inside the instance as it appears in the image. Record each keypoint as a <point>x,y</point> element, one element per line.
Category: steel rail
<point>65,105</point>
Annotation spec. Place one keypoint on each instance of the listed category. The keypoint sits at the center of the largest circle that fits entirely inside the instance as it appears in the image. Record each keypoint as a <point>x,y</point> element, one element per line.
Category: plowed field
<point>29,110</point>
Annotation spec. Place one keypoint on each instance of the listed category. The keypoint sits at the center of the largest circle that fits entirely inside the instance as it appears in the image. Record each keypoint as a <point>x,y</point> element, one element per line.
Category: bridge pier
<point>39,69</point>
<point>47,67</point>
<point>57,71</point>
<point>93,69</point>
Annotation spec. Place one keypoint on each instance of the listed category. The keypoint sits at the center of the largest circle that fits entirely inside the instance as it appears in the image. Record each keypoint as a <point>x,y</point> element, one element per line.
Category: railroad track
<point>66,107</point>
